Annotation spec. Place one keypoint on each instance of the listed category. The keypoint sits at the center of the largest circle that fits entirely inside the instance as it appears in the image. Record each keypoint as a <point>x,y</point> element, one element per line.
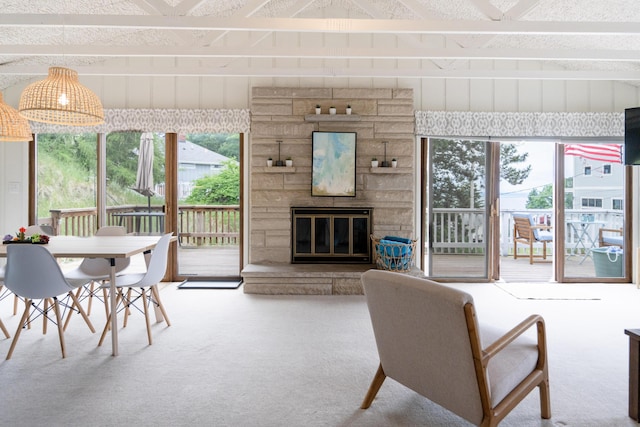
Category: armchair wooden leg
<point>378,379</point>
<point>530,251</point>
<point>545,400</point>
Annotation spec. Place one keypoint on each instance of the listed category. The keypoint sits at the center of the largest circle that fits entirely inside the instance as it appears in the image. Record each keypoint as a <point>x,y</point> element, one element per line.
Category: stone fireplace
<point>282,122</point>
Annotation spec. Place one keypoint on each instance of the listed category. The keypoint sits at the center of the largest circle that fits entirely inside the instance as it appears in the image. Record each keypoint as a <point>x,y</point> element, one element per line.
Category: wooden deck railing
<point>454,230</point>
<point>197,225</point>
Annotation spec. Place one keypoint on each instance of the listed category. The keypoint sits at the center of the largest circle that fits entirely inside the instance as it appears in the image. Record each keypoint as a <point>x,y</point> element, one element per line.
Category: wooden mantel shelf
<point>332,118</point>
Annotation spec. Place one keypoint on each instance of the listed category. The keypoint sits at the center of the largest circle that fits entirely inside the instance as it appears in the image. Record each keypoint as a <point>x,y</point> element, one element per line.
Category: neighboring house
<point>194,162</point>
<point>598,184</point>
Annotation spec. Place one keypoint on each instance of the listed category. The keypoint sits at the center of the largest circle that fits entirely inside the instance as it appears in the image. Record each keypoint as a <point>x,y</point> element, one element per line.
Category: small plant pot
<point>318,110</point>
<point>374,163</point>
<point>269,163</point>
<point>332,110</point>
<point>348,111</point>
<point>289,163</point>
<point>394,163</point>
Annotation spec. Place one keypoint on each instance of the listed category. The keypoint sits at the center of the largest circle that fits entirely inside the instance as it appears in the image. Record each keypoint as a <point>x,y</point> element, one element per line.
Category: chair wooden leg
<point>56,309</point>
<point>82,312</point>
<point>44,317</point>
<point>105,297</point>
<point>4,330</point>
<point>530,251</point>
<point>127,303</point>
<point>145,305</point>
<point>90,298</point>
<point>156,297</point>
<point>544,250</point>
<point>15,304</point>
<point>378,379</point>
<point>68,318</point>
<point>23,320</point>
<point>107,326</point>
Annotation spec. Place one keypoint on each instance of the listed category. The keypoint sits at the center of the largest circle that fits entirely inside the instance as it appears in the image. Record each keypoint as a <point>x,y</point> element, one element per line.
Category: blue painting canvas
<point>334,164</point>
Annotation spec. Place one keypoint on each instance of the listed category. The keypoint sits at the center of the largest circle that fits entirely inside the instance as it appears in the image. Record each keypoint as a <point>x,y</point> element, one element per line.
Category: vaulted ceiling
<point>485,39</point>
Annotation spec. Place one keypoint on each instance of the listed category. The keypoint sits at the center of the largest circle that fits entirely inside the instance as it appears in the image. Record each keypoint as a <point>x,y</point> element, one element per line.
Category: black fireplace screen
<point>331,235</point>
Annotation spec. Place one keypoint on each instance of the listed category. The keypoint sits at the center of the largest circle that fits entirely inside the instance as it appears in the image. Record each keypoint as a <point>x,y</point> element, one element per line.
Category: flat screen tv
<point>632,136</point>
<point>333,170</point>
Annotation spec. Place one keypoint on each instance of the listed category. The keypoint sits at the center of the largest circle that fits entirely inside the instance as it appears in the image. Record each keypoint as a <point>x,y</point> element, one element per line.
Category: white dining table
<point>109,247</point>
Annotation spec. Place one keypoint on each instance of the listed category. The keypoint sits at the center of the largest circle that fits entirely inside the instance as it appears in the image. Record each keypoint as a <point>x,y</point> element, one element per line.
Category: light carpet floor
<point>231,359</point>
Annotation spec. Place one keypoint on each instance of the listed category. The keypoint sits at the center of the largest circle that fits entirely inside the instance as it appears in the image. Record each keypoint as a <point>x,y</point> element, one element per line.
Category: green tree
<point>458,165</point>
<point>220,189</point>
<point>227,144</point>
<point>542,199</point>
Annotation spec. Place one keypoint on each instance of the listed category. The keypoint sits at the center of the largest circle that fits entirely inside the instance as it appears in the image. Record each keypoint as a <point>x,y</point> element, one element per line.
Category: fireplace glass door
<point>331,235</point>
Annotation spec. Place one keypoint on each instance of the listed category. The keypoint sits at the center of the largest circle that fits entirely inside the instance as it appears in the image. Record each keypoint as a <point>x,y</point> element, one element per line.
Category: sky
<point>541,159</point>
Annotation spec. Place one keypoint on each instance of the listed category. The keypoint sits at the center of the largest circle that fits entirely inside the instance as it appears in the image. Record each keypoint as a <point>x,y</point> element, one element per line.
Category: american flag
<point>611,153</point>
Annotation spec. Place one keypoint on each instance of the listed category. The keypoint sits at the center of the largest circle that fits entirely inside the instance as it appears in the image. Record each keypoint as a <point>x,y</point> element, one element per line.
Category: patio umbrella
<point>144,176</point>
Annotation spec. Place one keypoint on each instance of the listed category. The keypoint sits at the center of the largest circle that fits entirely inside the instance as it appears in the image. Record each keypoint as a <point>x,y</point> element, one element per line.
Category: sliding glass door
<point>458,191</point>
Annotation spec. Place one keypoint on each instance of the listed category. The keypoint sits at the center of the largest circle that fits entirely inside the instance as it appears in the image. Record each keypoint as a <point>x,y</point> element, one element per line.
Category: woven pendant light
<point>13,127</point>
<point>61,99</point>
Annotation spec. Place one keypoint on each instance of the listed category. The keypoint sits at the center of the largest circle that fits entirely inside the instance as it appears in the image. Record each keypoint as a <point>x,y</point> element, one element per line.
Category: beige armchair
<point>429,340</point>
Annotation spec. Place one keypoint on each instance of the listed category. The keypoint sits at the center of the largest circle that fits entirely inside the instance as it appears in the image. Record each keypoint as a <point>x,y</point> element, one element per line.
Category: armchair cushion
<point>509,367</point>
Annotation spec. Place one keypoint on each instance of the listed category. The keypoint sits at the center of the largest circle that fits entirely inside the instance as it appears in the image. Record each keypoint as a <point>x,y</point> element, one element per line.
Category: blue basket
<point>394,253</point>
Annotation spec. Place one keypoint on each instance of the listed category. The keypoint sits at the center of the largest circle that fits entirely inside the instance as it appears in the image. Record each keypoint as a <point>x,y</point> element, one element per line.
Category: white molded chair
<point>429,340</point>
<point>30,231</point>
<point>3,295</point>
<point>44,283</point>
<point>92,270</point>
<point>142,287</point>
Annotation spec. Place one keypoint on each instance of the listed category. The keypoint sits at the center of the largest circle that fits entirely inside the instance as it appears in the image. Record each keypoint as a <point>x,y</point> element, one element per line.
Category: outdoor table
<point>585,239</point>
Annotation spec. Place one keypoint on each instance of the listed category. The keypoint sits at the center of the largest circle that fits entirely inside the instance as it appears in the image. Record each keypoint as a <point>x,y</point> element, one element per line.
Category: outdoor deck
<point>224,262</point>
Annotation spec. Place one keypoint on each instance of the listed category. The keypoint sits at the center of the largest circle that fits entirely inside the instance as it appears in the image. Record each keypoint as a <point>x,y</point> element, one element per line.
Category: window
<point>616,204</point>
<point>606,169</point>
<point>591,202</point>
<point>587,170</point>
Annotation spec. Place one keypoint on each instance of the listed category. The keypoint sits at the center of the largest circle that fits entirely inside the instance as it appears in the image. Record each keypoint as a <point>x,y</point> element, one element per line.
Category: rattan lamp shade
<point>13,127</point>
<point>61,99</point>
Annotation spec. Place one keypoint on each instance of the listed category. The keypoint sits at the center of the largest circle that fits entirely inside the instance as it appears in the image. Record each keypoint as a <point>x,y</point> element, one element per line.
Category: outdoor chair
<point>141,287</point>
<point>44,283</point>
<point>526,231</point>
<point>610,237</point>
<point>430,340</point>
<point>92,270</point>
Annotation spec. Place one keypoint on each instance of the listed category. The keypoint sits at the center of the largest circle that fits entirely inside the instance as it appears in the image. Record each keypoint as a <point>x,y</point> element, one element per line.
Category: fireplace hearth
<point>331,235</point>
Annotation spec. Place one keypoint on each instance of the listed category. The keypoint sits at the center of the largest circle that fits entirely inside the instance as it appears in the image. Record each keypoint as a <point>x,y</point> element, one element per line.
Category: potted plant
<point>318,109</point>
<point>332,110</point>
<point>289,161</point>
<point>394,163</point>
<point>374,162</point>
<point>348,110</point>
<point>269,162</point>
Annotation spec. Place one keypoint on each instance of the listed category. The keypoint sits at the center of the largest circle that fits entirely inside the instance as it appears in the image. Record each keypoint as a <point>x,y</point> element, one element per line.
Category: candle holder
<point>279,162</point>
<point>385,163</point>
